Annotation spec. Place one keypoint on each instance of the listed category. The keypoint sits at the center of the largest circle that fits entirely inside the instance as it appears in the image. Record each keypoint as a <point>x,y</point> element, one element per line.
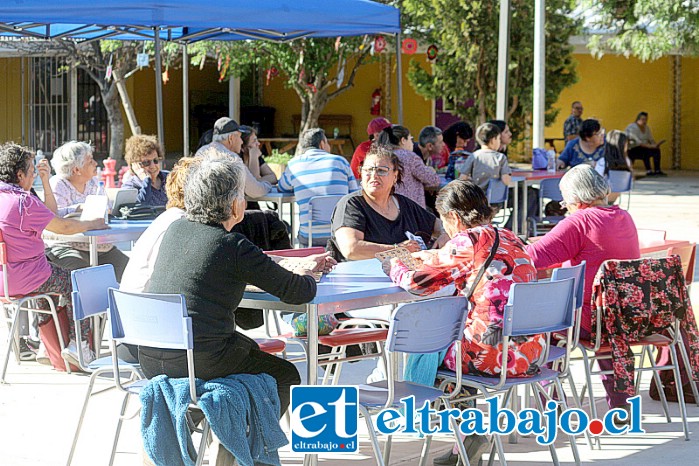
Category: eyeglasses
<point>380,171</point>
<point>147,163</point>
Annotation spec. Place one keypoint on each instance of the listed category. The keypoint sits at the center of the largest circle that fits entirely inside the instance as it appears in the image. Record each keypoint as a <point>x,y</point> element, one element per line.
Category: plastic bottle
<point>38,158</point>
<point>336,133</point>
<point>551,163</point>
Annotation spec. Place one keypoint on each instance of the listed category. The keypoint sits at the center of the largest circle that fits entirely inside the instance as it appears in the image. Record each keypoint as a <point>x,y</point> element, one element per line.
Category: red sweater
<point>594,235</point>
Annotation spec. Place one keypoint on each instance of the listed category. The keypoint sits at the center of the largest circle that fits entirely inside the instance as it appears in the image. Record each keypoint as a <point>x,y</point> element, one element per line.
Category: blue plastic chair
<point>320,210</point>
<point>91,299</point>
<point>497,193</point>
<point>156,321</point>
<point>621,181</point>
<point>532,308</point>
<point>420,327</point>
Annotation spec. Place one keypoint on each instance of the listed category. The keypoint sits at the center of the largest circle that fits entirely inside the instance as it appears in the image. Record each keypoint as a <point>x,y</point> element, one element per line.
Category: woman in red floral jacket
<point>465,213</point>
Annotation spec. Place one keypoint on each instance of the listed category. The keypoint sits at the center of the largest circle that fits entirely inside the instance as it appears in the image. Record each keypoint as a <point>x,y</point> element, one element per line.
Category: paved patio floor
<point>39,407</point>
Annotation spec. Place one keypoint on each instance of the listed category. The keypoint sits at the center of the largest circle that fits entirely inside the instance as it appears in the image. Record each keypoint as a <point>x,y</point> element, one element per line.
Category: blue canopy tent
<point>186,21</point>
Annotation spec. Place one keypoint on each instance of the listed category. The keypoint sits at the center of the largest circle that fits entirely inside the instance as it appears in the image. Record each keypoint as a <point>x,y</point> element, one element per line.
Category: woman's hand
<point>386,265</point>
<point>411,245</point>
<point>324,262</point>
<point>44,170</point>
<point>441,241</point>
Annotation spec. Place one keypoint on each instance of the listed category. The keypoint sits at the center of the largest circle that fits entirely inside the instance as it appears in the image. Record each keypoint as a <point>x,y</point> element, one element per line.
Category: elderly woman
<point>252,157</point>
<point>416,176</point>
<point>465,213</point>
<point>212,273</point>
<point>594,232</point>
<point>23,219</point>
<point>75,179</point>
<point>588,148</point>
<point>487,162</point>
<point>375,219</point>
<point>642,146</point>
<point>144,156</point>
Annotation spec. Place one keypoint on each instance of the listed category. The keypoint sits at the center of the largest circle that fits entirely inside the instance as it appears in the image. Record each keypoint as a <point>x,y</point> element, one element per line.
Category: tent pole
<point>399,77</point>
<point>503,60</point>
<point>159,88</point>
<point>539,72</point>
<point>185,101</point>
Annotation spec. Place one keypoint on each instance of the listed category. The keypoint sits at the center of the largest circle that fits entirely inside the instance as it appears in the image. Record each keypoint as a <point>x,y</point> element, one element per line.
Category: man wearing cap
<point>227,138</point>
<point>373,130</point>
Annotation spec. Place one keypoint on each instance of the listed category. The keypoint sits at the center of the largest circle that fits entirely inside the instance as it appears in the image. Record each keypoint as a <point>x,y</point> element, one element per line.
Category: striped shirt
<point>316,173</point>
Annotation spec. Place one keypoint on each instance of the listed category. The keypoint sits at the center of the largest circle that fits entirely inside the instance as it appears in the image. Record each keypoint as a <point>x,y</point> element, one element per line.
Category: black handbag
<point>137,212</point>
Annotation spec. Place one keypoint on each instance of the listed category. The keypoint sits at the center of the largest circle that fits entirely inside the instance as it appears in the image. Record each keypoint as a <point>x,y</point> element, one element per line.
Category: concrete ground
<point>39,407</point>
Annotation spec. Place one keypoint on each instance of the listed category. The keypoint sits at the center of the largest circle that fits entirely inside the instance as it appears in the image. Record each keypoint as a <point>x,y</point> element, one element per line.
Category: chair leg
<point>571,438</point>
<point>425,450</point>
<point>661,392</point>
<point>463,456</point>
<point>578,404</point>
<point>372,435</point>
<point>10,341</point>
<point>88,394</point>
<point>206,429</point>
<point>680,390</point>
<point>588,384</point>
<point>124,405</point>
<point>387,450</point>
<point>540,406</point>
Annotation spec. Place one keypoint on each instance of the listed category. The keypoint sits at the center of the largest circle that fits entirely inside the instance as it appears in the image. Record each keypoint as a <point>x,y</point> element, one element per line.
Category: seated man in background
<point>316,172</point>
<point>430,146</point>
<point>642,146</point>
<point>227,137</point>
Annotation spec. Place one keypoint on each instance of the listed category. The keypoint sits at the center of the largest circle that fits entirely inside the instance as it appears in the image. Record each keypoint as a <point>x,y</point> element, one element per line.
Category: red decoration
<point>409,46</point>
<point>379,44</point>
<point>432,52</point>
<point>376,102</point>
<point>312,87</point>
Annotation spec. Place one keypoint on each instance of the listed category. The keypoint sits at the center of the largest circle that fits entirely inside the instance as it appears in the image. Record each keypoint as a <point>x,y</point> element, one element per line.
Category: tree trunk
<point>126,102</point>
<point>312,106</point>
<point>116,121</point>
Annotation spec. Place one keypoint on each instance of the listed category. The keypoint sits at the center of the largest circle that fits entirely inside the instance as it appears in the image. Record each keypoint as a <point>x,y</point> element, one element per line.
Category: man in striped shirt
<point>316,172</point>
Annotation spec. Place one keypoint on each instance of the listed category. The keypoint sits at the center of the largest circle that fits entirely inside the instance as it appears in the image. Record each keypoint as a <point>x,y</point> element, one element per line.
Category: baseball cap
<point>227,125</point>
<point>377,125</point>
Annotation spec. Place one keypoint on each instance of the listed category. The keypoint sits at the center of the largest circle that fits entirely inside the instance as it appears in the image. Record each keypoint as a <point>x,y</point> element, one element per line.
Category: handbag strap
<point>485,265</point>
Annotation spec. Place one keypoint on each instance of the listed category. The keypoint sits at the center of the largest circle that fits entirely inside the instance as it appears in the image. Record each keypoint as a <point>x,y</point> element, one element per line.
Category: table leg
<point>515,211</point>
<point>294,225</point>
<point>93,251</point>
<point>525,204</point>
<point>312,362</point>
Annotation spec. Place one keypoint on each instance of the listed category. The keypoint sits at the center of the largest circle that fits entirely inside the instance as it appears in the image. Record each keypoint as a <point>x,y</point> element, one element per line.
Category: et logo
<point>324,419</point>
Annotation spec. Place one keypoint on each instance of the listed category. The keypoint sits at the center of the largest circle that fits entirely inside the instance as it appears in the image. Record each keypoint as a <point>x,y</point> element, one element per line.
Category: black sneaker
<point>25,352</point>
<point>447,459</point>
<point>659,173</point>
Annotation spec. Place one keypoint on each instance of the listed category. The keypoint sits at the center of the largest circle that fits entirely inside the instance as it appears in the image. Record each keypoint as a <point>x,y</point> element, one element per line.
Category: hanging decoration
<point>338,41</point>
<point>312,87</point>
<point>409,46</point>
<point>166,76</point>
<point>432,52</point>
<point>379,44</point>
<point>376,102</point>
<point>272,73</point>
<point>223,70</point>
<point>341,74</point>
<point>108,73</point>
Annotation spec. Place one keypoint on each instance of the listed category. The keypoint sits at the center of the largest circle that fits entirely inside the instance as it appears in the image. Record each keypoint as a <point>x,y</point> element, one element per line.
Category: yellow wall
<point>614,89</point>
<point>10,100</point>
<point>356,101</point>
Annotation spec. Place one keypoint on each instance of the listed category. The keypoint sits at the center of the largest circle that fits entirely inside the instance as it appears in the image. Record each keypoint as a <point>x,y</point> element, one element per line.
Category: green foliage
<point>647,29</point>
<point>278,157</point>
<point>465,71</point>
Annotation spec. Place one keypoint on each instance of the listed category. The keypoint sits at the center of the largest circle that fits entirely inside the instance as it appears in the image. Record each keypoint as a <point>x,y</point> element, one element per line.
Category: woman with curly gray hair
<point>76,179</point>
<point>203,259</point>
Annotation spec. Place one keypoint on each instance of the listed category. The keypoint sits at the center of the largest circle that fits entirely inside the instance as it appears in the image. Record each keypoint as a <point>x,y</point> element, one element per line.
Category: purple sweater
<point>416,177</point>
<point>595,235</point>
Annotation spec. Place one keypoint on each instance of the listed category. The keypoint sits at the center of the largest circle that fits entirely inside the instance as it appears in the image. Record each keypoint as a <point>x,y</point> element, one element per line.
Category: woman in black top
<point>376,219</point>
<point>201,258</point>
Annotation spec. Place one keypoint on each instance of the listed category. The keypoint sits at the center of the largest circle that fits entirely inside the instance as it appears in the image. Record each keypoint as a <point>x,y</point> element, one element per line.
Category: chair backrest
<point>549,188</point>
<point>646,236</point>
<point>427,326</point>
<point>620,181</point>
<point>688,257</point>
<point>497,192</point>
<point>153,320</point>
<point>91,290</point>
<point>576,272</point>
<point>320,210</point>
<point>539,307</point>
<point>301,252</point>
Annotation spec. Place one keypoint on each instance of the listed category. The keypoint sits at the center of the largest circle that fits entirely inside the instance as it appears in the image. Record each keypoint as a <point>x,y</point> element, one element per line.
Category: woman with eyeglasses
<point>75,179</point>
<point>588,148</point>
<point>376,218</point>
<point>144,156</point>
<point>416,176</point>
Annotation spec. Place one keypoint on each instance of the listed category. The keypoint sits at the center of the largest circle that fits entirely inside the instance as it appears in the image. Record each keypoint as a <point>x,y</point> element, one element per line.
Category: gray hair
<point>214,151</point>
<point>212,187</point>
<point>219,137</point>
<point>583,185</point>
<point>428,135</point>
<point>311,139</point>
<point>70,155</point>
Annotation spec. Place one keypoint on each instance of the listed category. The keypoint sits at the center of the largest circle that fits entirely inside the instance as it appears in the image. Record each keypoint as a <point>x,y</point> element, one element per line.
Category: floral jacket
<point>638,298</point>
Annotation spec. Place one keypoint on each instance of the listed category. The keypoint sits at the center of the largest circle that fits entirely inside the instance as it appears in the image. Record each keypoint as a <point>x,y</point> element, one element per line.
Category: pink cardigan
<point>594,234</point>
